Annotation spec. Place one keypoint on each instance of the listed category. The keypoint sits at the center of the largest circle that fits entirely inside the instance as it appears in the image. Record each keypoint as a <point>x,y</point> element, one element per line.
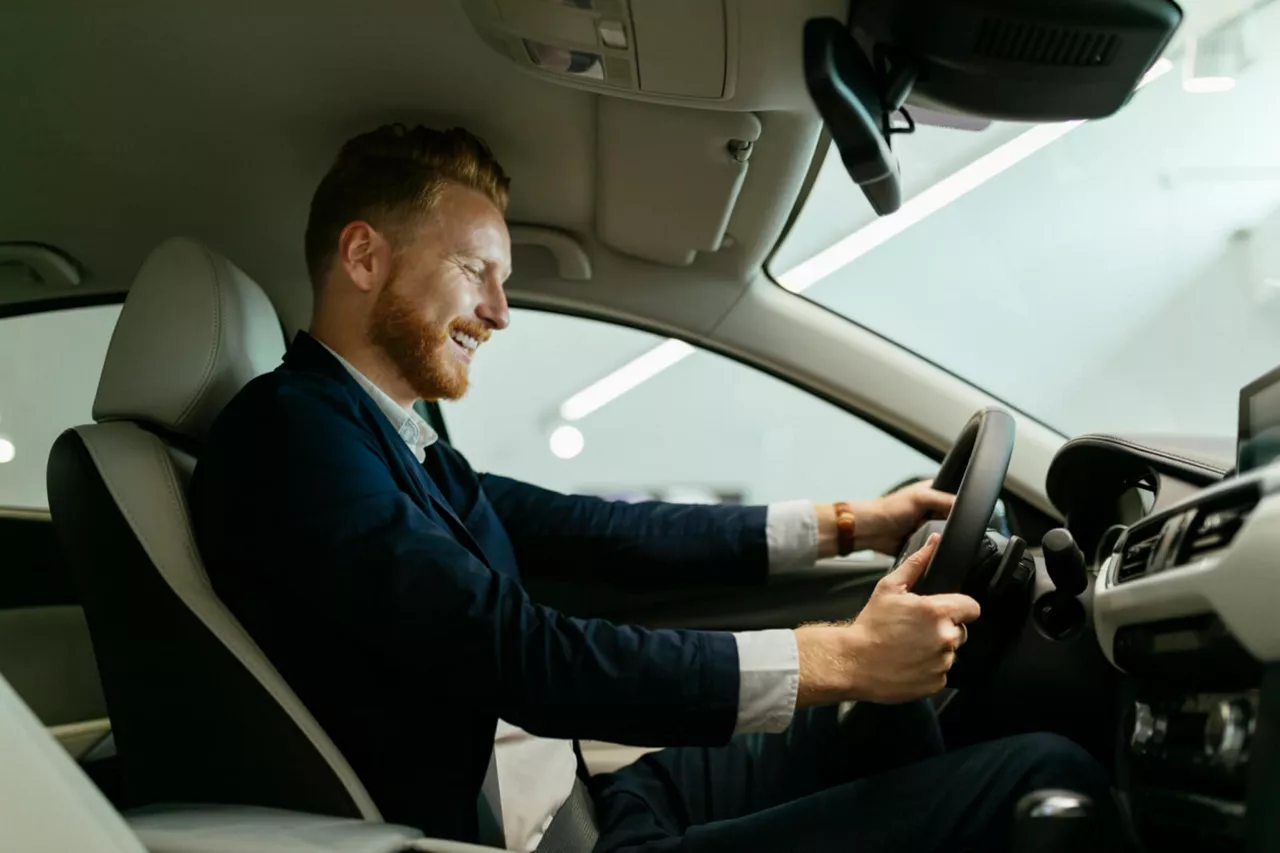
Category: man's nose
<point>493,310</point>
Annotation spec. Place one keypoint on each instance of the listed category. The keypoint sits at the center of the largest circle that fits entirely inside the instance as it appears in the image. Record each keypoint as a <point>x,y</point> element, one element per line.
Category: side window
<point>49,367</point>
<point>590,407</point>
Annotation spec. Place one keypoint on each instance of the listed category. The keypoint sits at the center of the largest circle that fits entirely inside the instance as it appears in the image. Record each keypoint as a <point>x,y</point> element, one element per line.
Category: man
<point>383,577</point>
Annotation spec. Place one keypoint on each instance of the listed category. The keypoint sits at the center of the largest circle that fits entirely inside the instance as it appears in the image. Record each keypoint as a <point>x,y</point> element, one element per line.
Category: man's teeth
<point>465,340</point>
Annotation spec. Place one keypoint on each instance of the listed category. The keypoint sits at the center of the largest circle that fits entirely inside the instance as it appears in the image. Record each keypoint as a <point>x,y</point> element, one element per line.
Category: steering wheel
<point>974,472</point>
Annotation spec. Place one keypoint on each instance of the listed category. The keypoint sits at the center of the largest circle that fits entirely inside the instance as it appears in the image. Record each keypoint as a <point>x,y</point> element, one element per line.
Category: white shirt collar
<point>408,424</point>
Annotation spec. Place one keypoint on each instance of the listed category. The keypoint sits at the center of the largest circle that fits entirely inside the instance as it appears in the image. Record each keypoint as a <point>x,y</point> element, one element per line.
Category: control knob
<point>1227,732</point>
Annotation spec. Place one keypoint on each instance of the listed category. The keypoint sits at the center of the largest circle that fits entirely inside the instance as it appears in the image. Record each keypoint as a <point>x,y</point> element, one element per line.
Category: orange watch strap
<point>846,525</point>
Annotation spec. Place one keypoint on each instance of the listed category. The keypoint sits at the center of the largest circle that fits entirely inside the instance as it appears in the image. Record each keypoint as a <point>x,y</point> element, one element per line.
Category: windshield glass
<point>1117,275</point>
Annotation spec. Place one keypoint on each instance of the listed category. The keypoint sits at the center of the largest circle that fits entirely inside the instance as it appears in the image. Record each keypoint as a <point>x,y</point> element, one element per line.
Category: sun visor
<point>668,177</point>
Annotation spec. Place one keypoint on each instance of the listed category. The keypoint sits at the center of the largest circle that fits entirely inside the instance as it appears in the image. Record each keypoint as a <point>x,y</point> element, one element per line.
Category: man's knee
<point>1053,761</point>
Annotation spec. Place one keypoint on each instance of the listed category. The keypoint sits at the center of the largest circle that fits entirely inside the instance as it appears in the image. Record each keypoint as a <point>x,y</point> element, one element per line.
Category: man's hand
<point>883,523</point>
<point>899,648</point>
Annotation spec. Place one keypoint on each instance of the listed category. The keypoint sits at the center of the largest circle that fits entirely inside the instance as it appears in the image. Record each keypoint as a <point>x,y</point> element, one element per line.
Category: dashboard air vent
<point>1216,524</point>
<point>1139,547</point>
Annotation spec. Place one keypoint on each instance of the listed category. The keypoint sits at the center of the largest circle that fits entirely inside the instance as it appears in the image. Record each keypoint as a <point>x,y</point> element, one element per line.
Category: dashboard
<point>1186,606</point>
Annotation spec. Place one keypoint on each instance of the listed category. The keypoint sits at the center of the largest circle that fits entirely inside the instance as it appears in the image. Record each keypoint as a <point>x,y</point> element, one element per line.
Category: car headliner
<point>130,123</point>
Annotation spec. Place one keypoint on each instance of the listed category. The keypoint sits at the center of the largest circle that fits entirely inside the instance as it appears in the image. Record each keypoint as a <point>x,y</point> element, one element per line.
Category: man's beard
<point>418,349</point>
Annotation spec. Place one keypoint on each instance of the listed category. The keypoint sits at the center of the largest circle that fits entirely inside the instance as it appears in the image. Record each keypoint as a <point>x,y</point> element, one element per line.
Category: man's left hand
<point>882,524</point>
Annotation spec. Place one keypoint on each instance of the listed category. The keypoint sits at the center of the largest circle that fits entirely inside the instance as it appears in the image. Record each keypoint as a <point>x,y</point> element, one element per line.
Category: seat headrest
<point>193,331</point>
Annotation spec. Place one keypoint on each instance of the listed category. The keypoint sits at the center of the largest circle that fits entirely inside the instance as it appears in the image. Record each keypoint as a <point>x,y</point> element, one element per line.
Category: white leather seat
<point>199,713</point>
<point>47,805</point>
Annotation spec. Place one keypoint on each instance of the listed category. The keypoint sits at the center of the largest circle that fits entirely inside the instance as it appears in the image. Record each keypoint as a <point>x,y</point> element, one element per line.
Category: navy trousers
<point>882,785</point>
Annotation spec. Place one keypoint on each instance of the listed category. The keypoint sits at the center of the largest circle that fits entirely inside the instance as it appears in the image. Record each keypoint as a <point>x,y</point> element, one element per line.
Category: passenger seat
<point>48,806</point>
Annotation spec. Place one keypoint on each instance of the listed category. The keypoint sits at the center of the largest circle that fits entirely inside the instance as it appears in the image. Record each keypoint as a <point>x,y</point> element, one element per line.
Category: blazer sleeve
<point>640,546</point>
<point>373,565</point>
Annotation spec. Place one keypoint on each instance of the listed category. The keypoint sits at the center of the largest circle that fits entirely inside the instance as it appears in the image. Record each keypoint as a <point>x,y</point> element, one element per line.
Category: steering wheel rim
<point>974,471</point>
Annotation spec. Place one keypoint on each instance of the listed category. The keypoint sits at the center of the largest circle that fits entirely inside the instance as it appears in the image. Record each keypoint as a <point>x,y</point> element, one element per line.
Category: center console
<point>1187,605</point>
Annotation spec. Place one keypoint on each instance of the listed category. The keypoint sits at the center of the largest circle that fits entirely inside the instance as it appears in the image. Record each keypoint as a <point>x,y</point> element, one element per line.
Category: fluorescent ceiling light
<point>846,251</point>
<point>7,451</point>
<point>921,206</point>
<point>624,379</point>
<point>930,201</point>
<point>1208,85</point>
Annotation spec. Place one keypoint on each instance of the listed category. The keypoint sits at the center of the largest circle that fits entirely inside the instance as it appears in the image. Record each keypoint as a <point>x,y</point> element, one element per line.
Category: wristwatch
<point>846,524</point>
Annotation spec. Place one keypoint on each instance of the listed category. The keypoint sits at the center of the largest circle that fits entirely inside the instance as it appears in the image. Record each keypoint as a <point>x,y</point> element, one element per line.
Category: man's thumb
<point>913,568</point>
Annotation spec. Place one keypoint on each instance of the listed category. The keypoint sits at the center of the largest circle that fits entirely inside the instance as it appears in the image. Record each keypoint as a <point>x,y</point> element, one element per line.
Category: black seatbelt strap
<point>489,807</point>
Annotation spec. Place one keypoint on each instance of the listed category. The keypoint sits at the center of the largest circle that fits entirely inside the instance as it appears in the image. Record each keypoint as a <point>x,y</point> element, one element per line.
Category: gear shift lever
<point>1064,561</point>
<point>1053,821</point>
<point>1059,613</point>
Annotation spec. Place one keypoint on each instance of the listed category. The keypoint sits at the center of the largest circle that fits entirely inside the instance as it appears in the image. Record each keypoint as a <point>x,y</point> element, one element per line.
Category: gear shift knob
<point>1054,821</point>
<point>1064,561</point>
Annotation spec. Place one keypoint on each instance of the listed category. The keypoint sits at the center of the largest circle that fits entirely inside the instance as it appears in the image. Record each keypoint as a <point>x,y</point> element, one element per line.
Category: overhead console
<point>682,104</point>
<point>677,48</point>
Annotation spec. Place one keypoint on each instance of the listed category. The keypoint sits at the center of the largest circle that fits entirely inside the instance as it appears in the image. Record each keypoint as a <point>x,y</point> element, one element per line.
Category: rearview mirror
<point>1011,60</point>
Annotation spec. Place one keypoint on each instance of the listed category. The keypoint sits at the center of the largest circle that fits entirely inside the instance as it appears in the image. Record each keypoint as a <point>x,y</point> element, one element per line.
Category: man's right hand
<point>899,648</point>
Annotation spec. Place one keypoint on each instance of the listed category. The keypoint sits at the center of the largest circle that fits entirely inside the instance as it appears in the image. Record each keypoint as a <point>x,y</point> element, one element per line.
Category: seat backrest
<point>198,712</point>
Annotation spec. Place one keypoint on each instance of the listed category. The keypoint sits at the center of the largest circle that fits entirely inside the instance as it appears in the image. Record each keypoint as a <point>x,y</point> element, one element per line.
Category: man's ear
<point>364,255</point>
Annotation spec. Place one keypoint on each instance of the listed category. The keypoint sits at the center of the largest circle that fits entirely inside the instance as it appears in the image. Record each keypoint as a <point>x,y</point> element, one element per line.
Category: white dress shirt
<point>536,775</point>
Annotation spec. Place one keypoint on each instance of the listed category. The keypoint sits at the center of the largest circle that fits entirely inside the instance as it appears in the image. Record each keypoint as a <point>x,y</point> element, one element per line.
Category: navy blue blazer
<point>388,593</point>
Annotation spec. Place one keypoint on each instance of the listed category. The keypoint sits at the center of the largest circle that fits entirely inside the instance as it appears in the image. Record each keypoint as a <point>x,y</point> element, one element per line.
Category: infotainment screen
<point>1259,434</point>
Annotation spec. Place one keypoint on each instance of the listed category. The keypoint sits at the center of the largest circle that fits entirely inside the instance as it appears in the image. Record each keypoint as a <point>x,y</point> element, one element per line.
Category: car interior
<point>672,164</point>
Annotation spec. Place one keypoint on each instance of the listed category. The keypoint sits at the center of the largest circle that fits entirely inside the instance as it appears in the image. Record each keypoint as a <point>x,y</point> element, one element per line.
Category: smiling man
<point>384,577</point>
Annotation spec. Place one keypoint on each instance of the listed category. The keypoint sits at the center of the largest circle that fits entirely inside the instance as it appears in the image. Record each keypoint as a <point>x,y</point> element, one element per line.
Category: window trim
<point>61,303</point>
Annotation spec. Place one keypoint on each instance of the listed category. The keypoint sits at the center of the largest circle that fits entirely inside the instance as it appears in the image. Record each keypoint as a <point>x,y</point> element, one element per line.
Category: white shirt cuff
<point>769,673</point>
<point>791,531</point>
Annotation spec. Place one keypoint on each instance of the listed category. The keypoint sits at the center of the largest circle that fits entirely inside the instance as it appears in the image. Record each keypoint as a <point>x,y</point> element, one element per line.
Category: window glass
<point>706,429</point>
<point>49,368</point>
<point>1117,275</point>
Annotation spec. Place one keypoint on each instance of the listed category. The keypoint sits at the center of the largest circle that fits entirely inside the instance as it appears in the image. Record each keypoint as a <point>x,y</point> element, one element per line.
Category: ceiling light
<point>880,230</point>
<point>930,201</point>
<point>921,206</point>
<point>624,379</point>
<point>567,442</point>
<point>1208,85</point>
<point>1214,59</point>
<point>7,451</point>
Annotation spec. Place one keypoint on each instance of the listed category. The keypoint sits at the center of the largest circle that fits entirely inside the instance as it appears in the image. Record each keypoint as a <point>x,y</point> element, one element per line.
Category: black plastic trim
<point>61,303</point>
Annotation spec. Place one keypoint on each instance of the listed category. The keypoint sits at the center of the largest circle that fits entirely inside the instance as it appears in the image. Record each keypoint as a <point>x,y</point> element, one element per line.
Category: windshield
<point>1117,275</point>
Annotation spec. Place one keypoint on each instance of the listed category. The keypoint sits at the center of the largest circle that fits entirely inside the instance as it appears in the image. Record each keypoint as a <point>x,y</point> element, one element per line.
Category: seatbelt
<point>573,829</point>
<point>489,807</point>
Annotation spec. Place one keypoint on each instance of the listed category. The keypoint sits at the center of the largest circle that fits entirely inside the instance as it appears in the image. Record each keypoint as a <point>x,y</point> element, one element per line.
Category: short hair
<point>390,177</point>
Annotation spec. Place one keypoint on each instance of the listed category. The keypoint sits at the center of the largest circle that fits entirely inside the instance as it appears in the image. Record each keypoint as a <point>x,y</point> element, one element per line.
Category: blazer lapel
<point>307,354</point>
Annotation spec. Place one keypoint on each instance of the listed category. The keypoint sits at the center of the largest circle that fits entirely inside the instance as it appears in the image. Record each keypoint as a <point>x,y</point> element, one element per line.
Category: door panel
<point>45,651</point>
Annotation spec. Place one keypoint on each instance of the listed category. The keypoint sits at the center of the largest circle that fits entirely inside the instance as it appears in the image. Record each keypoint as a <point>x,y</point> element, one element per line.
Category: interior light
<point>567,442</point>
<point>1208,85</point>
<point>624,379</point>
<point>1213,59</point>
<point>880,230</point>
<point>7,450</point>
